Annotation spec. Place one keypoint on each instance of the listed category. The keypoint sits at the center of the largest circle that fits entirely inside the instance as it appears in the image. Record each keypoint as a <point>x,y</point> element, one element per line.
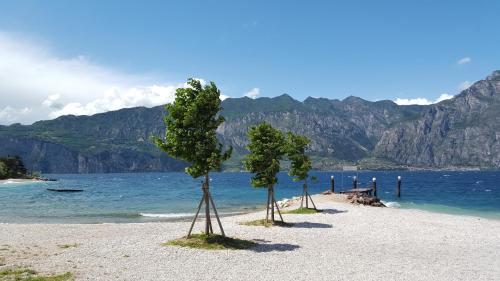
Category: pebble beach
<point>344,242</point>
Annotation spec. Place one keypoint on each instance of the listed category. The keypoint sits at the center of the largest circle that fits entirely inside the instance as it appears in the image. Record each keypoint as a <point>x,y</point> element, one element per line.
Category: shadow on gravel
<point>332,211</point>
<point>311,225</point>
<point>278,247</point>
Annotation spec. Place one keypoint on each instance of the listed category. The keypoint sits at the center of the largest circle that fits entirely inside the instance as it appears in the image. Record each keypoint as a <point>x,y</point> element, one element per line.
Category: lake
<point>142,197</point>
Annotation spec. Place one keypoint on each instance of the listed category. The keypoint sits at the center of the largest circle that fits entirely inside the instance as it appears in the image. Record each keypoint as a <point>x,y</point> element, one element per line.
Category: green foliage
<point>191,122</point>
<point>296,151</point>
<point>3,170</point>
<point>267,148</point>
<point>20,274</point>
<point>12,167</point>
<point>211,242</point>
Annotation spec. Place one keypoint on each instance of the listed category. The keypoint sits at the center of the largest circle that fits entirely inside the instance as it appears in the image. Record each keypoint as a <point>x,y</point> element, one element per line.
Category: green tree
<point>191,124</point>
<point>3,170</point>
<point>267,148</point>
<point>300,163</point>
<point>18,166</point>
<point>12,167</point>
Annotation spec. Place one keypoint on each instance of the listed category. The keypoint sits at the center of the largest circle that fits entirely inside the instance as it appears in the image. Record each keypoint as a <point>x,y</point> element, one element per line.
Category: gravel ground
<point>345,242</point>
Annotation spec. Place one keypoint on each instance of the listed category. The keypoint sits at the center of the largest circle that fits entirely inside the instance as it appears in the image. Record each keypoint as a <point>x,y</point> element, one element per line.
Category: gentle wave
<point>171,215</point>
<point>110,215</point>
<point>184,215</point>
<point>16,182</point>
<point>391,204</point>
<point>10,182</point>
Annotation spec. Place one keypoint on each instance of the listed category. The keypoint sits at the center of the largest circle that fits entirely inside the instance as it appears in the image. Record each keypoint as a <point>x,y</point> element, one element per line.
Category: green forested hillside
<point>378,134</point>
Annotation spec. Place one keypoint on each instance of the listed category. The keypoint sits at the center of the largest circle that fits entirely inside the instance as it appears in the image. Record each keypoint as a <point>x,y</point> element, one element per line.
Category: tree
<point>267,148</point>
<point>3,170</point>
<point>300,163</point>
<point>18,166</point>
<point>191,124</point>
<point>12,167</point>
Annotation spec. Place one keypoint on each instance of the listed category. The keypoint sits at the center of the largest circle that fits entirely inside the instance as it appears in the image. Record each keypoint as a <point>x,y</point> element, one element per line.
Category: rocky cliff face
<point>110,142</point>
<point>344,130</point>
<point>461,132</point>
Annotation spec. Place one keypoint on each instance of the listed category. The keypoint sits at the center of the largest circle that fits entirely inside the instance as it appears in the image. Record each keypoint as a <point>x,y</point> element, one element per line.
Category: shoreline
<point>332,240</point>
<point>19,181</point>
<point>345,242</point>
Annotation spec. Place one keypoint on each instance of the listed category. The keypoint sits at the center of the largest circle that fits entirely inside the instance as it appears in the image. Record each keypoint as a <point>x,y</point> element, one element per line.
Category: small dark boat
<point>64,190</point>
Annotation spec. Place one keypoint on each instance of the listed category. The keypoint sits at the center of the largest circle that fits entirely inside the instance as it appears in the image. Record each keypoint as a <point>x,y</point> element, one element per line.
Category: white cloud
<point>116,98</point>
<point>253,93</point>
<point>9,115</point>
<point>52,102</point>
<point>423,101</point>
<point>32,76</point>
<point>464,85</point>
<point>464,60</point>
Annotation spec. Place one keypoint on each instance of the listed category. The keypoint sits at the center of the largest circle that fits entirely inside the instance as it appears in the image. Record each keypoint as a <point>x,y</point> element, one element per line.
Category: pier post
<point>332,180</point>
<point>398,188</point>
<point>374,189</point>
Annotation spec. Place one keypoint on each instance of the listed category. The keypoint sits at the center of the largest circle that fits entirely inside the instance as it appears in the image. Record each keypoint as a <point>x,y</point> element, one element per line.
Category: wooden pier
<point>358,191</point>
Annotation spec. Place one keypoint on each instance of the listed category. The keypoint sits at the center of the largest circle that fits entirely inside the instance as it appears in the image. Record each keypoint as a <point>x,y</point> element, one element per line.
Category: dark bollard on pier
<point>332,180</point>
<point>398,188</point>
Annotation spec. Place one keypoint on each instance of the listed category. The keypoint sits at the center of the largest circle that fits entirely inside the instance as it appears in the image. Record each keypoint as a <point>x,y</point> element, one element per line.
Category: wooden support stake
<point>216,215</point>
<point>277,208</point>
<point>314,205</point>
<point>196,216</point>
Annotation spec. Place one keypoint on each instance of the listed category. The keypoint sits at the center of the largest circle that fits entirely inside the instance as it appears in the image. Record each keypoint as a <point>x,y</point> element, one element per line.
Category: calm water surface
<point>139,197</point>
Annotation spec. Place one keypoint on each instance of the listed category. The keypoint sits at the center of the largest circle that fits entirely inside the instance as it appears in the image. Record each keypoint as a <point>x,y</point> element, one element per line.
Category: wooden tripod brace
<point>207,198</point>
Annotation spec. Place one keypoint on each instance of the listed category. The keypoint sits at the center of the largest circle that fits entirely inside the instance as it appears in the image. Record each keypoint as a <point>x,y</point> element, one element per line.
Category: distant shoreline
<point>18,181</point>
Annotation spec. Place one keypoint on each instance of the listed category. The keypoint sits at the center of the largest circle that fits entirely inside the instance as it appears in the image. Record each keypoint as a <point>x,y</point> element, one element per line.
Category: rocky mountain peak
<point>494,76</point>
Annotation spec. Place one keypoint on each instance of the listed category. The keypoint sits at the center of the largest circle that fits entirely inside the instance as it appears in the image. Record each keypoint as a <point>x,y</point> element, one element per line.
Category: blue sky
<point>371,49</point>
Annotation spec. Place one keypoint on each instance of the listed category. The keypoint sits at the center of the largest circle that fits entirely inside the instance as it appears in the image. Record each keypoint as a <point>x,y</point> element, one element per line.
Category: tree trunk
<point>305,191</point>
<point>207,207</point>
<point>207,199</point>
<point>267,206</point>
<point>271,193</point>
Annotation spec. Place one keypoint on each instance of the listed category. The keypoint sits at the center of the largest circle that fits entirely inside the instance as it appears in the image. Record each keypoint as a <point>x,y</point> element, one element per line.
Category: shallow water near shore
<point>143,197</point>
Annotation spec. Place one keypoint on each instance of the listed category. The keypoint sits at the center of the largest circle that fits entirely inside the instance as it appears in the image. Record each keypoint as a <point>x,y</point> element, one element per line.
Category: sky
<point>86,57</point>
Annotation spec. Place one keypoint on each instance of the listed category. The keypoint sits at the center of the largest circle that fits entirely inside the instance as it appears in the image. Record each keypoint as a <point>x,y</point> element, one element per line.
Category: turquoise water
<point>140,197</point>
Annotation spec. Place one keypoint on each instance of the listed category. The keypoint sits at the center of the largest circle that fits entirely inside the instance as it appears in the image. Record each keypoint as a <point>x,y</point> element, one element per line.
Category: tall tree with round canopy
<point>267,148</point>
<point>191,124</point>
<point>300,163</point>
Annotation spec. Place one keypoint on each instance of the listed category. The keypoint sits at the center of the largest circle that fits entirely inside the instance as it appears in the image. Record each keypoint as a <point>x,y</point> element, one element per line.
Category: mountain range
<point>460,133</point>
